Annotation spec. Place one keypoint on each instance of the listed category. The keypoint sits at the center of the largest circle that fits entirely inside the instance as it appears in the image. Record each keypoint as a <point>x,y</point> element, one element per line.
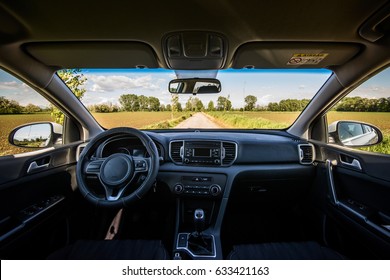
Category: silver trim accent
<point>329,170</point>
<point>35,167</point>
<point>355,163</point>
<point>181,151</point>
<point>224,152</point>
<point>214,253</point>
<point>300,153</point>
<point>78,150</point>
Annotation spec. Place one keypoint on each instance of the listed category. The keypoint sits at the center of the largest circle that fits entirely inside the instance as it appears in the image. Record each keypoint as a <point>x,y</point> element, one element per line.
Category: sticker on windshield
<point>306,59</point>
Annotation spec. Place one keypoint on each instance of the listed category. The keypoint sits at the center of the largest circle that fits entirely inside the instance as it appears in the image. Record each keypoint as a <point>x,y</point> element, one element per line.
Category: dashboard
<point>203,170</point>
<point>210,149</point>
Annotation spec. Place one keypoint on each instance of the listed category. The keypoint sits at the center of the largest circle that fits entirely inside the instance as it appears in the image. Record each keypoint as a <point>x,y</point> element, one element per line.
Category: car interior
<point>195,193</point>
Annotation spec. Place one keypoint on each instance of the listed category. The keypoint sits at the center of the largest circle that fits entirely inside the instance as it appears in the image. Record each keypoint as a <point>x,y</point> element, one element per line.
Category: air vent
<point>230,153</point>
<point>175,151</point>
<point>306,153</point>
<point>79,150</point>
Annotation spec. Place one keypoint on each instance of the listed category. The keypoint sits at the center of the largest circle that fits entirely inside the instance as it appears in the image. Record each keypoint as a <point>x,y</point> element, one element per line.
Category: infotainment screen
<point>202,152</point>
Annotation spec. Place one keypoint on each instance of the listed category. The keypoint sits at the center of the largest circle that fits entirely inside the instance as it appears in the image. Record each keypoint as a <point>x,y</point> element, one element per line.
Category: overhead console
<point>195,50</point>
<point>203,153</point>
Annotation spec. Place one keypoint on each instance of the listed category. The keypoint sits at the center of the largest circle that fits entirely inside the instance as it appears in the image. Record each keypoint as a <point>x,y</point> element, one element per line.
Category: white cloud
<point>371,92</point>
<point>10,85</point>
<point>100,83</point>
<point>266,99</point>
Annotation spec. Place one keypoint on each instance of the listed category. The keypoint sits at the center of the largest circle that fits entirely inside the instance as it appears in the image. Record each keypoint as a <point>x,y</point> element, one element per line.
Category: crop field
<point>152,120</point>
<point>133,119</point>
<point>107,120</point>
<point>381,120</point>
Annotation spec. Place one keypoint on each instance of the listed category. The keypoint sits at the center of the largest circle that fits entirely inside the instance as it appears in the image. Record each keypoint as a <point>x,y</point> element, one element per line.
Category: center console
<point>198,201</point>
<point>198,194</point>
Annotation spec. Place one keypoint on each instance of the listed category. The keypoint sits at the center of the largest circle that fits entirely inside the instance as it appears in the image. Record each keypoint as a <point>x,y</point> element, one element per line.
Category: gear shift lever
<point>198,243</point>
<point>199,221</point>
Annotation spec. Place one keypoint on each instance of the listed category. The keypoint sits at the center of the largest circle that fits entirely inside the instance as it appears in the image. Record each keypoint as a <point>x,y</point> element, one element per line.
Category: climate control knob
<point>215,190</point>
<point>178,188</point>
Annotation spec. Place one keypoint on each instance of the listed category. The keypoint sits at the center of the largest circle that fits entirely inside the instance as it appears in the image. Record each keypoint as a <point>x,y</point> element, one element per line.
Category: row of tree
<point>8,106</point>
<point>288,105</point>
<point>134,103</point>
<point>359,104</point>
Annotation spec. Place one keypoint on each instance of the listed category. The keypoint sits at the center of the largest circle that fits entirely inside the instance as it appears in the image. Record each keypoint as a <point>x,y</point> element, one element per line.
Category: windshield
<point>261,99</point>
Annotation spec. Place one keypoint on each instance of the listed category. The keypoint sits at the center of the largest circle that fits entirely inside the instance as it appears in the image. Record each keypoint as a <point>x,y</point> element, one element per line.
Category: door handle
<point>35,167</point>
<point>355,163</point>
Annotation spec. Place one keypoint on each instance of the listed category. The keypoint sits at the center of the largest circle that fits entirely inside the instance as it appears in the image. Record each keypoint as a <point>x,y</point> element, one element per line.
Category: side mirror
<point>36,135</point>
<point>195,86</point>
<point>354,134</point>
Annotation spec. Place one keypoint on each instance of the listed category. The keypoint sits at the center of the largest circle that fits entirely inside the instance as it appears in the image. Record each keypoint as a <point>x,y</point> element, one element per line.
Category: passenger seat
<point>283,251</point>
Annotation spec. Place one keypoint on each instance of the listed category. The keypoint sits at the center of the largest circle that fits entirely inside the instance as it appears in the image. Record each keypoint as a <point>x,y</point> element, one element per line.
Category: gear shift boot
<point>199,243</point>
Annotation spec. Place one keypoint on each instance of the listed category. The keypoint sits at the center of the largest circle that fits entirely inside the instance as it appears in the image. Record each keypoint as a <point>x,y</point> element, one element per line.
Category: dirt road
<point>198,120</point>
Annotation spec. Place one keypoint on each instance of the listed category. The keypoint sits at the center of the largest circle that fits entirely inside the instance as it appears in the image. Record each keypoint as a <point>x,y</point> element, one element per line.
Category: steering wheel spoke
<point>93,167</point>
<point>141,164</point>
<point>113,194</point>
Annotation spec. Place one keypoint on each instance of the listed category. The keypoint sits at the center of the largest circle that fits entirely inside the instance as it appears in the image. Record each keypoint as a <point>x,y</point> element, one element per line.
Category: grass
<point>259,120</point>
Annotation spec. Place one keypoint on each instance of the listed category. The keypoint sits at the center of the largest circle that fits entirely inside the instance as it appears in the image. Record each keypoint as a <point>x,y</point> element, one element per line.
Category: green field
<point>269,120</point>
<point>152,120</point>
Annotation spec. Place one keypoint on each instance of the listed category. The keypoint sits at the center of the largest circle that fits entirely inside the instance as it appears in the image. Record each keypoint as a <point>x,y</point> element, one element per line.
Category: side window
<point>20,105</point>
<point>369,103</point>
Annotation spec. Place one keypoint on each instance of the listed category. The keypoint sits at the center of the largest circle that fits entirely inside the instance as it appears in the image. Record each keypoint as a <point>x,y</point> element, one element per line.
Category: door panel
<point>356,201</point>
<point>34,205</point>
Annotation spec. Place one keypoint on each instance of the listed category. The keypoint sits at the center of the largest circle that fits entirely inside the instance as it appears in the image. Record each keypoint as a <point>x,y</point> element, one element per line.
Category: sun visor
<point>94,54</point>
<point>293,55</point>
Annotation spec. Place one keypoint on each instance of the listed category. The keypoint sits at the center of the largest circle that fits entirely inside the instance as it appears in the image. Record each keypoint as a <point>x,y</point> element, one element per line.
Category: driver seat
<point>112,250</point>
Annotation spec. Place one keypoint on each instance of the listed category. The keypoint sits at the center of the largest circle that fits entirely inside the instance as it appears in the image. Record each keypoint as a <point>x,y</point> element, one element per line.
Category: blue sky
<point>267,85</point>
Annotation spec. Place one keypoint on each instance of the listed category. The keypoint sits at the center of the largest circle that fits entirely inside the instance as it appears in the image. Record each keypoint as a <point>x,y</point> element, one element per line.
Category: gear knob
<point>199,220</point>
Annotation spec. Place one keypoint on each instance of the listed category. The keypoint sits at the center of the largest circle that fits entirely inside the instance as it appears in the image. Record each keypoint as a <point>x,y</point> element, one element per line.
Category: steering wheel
<point>117,172</point>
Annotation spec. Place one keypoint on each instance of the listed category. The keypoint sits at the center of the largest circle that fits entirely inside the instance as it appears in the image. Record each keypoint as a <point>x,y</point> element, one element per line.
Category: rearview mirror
<point>36,135</point>
<point>195,86</point>
<point>354,134</point>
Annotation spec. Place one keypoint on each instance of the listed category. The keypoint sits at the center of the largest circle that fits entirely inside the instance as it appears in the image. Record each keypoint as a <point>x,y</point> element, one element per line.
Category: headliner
<point>148,21</point>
